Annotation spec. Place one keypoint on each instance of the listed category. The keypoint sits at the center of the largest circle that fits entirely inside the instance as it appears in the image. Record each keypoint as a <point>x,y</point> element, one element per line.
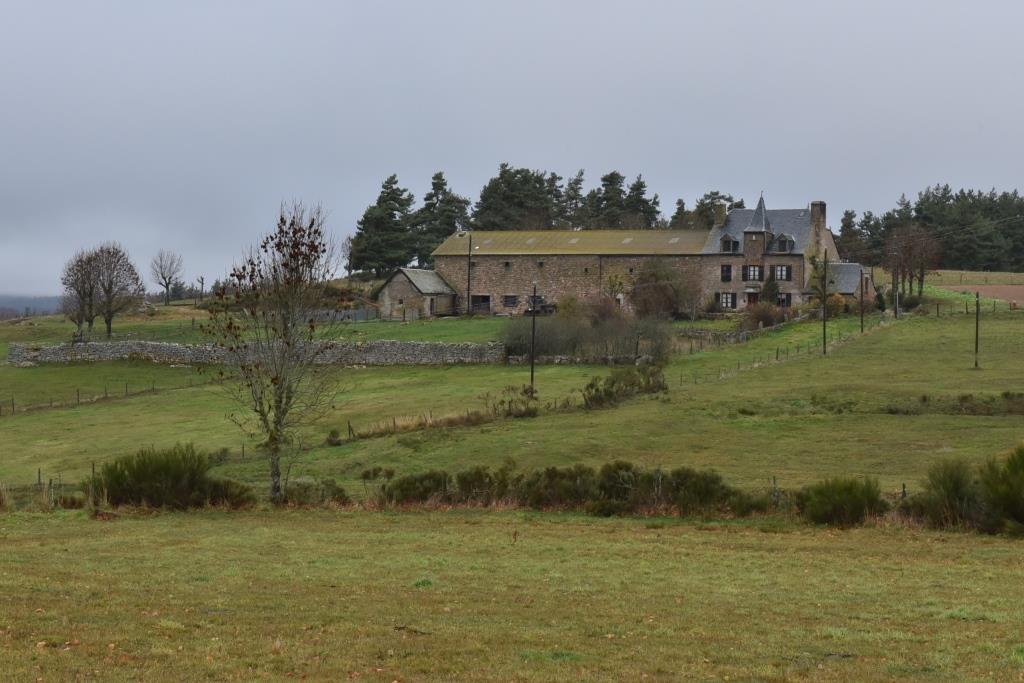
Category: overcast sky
<point>183,125</point>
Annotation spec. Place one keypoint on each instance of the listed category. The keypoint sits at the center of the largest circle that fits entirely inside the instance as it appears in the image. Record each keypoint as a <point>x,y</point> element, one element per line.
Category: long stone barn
<point>495,271</point>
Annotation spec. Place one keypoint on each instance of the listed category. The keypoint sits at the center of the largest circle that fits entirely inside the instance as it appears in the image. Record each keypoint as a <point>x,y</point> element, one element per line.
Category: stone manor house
<point>495,271</point>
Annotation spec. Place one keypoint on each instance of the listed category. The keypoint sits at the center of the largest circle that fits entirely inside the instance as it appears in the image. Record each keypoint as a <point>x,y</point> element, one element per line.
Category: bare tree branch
<point>271,320</point>
<point>166,269</point>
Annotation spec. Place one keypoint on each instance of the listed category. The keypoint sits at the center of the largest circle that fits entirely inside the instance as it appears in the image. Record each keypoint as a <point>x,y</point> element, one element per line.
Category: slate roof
<point>425,281</point>
<point>846,277</point>
<point>793,222</point>
<point>759,221</point>
<point>585,242</point>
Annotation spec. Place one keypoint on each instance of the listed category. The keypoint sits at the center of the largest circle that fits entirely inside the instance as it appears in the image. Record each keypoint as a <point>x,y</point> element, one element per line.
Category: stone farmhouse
<point>495,271</point>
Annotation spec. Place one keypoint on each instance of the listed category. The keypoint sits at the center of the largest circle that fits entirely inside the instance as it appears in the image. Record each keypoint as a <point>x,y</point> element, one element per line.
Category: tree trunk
<point>110,324</point>
<point>275,474</point>
<point>167,296</point>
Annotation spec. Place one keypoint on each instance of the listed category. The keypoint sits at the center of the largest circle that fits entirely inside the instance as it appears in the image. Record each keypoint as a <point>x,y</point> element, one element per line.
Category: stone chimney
<point>818,225</point>
<point>721,209</point>
<point>818,216</point>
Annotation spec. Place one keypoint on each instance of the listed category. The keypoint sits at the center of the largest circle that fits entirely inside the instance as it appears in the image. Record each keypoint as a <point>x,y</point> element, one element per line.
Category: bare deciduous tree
<point>79,279</point>
<point>166,269</point>
<point>118,284</point>
<point>269,320</point>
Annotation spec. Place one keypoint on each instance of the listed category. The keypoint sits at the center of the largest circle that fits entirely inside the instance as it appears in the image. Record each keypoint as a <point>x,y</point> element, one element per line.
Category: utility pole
<point>862,301</point>
<point>977,326</point>
<point>469,274</point>
<point>533,332</point>
<point>824,307</point>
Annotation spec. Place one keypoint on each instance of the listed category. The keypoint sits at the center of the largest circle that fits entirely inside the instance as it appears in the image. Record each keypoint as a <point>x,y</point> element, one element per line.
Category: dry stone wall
<point>339,353</point>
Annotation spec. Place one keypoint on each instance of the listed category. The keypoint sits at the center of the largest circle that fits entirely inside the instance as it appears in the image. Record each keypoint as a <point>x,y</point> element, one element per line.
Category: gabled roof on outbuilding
<point>425,281</point>
<point>846,277</point>
<point>580,242</point>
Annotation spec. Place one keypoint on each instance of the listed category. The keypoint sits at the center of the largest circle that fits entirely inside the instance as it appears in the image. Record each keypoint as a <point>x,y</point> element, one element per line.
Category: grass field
<point>486,596</point>
<point>887,404</point>
<point>505,595</point>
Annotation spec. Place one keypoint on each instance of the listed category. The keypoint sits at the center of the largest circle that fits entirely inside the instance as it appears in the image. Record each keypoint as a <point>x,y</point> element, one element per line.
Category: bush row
<point>616,488</point>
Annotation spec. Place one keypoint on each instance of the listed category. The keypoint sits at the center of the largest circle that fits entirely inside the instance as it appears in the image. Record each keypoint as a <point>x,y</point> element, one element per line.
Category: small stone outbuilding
<point>413,293</point>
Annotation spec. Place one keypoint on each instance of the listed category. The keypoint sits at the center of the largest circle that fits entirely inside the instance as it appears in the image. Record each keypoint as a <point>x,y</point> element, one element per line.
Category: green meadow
<point>510,595</point>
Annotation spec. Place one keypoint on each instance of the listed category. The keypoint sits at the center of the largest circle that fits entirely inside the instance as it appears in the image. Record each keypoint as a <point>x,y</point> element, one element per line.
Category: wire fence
<point>74,397</point>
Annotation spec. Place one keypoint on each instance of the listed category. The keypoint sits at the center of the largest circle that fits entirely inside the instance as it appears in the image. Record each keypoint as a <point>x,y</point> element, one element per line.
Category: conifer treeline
<point>973,229</point>
<point>393,232</point>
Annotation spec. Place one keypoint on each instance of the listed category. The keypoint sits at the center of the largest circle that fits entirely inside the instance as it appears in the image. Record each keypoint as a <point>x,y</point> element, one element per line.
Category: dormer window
<point>729,245</point>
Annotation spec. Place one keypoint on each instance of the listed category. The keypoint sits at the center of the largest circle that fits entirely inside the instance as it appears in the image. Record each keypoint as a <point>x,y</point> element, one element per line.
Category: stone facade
<point>733,262</point>
<point>339,353</point>
<point>401,299</point>
<point>503,284</point>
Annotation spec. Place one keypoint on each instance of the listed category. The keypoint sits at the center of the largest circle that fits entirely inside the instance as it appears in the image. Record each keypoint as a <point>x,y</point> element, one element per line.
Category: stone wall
<point>339,353</point>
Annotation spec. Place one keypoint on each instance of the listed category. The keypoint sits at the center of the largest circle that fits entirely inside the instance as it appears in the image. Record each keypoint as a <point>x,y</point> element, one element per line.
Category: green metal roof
<point>586,242</point>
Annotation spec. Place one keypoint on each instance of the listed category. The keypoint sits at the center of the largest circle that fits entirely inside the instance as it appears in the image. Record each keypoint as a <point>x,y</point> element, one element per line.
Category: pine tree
<point>516,199</point>
<point>571,212</point>
<point>610,201</point>
<point>383,240</point>
<point>851,240</point>
<point>681,218</point>
<point>638,210</point>
<point>443,213</point>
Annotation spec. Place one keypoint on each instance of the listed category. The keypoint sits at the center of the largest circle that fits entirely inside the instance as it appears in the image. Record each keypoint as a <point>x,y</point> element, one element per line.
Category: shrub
<point>231,493</point>
<point>841,501</point>
<point>176,478</point>
<point>1002,491</point>
<point>910,302</point>
<point>619,481</point>
<point>559,487</point>
<point>761,315</point>
<point>880,301</point>
<point>429,486</point>
<point>334,438</point>
<point>695,491</point>
<point>596,337</point>
<point>623,383</point>
<point>514,402</point>
<point>950,496</point>
<point>305,492</point>
<point>481,485</point>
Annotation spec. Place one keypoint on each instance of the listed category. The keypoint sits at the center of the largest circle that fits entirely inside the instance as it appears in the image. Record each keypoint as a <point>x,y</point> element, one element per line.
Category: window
<point>730,245</point>
<point>511,300</point>
<point>727,299</point>
<point>726,273</point>
<point>785,300</point>
<point>630,271</point>
<point>586,270</point>
<point>752,273</point>
<point>401,301</point>
<point>784,273</point>
<point>540,264</point>
<point>508,265</point>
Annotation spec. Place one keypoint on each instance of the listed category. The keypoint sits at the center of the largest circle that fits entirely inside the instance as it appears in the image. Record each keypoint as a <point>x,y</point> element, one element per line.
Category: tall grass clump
<point>841,501</point>
<point>176,478</point>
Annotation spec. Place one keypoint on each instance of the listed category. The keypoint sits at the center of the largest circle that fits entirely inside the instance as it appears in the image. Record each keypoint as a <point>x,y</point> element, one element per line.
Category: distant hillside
<point>35,304</point>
